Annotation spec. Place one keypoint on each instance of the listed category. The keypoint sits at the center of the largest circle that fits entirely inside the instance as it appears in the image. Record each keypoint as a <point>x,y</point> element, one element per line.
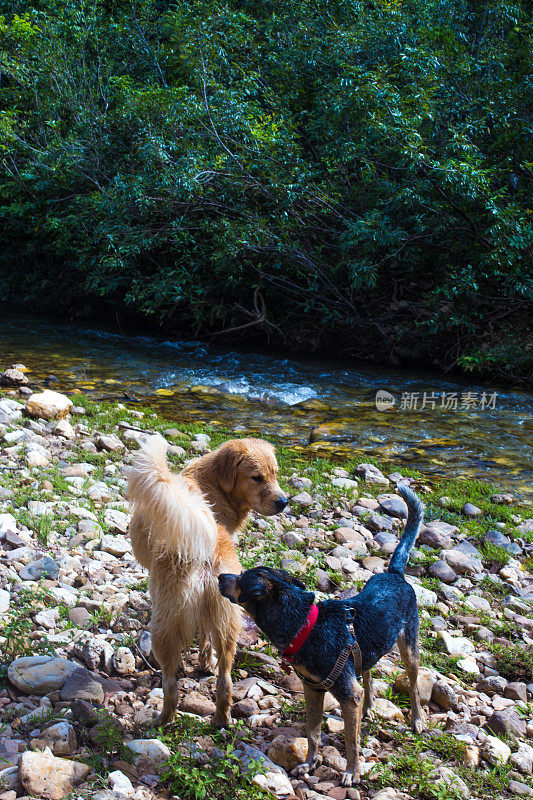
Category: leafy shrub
<point>287,169</point>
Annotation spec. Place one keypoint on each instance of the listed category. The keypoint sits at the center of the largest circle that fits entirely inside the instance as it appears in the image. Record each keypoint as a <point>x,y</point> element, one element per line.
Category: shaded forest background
<point>350,177</point>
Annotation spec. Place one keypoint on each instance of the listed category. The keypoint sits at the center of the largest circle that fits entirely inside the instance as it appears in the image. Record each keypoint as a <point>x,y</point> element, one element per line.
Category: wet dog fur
<point>384,612</point>
<point>176,533</point>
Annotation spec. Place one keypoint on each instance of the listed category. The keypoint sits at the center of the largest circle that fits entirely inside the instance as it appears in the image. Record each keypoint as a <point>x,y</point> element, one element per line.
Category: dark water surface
<point>487,435</point>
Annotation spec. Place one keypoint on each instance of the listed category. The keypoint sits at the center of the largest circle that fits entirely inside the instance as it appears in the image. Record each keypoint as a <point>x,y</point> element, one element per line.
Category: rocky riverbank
<point>79,684</point>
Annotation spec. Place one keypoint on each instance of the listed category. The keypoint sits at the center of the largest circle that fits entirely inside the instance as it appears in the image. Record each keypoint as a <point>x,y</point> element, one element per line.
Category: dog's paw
<point>160,721</point>
<point>350,778</point>
<point>222,720</point>
<point>368,712</point>
<point>418,724</point>
<point>305,768</point>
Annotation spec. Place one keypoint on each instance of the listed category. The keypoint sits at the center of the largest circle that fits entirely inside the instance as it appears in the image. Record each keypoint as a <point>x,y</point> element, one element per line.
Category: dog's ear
<point>227,464</point>
<point>298,583</point>
<point>284,577</point>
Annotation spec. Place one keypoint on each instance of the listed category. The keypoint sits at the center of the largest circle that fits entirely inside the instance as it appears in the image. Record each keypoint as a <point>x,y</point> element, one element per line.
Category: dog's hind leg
<point>167,652</point>
<point>351,714</point>
<point>408,646</point>
<point>207,658</point>
<point>368,684</point>
<point>225,644</point>
<point>314,709</point>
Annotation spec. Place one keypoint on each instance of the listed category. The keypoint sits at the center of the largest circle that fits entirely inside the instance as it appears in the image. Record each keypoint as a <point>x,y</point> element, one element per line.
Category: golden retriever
<point>176,536</point>
<point>240,476</point>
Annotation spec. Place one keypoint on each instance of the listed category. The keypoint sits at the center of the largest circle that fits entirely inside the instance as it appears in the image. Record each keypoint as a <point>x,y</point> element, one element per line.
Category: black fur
<point>384,609</point>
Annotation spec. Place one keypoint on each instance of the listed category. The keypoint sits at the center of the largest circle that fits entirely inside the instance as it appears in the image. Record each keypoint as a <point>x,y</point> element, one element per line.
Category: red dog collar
<point>303,633</point>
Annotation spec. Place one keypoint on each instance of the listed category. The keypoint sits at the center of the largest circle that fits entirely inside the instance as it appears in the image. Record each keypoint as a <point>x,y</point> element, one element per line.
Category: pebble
<point>442,571</point>
<point>60,738</point>
<point>44,567</point>
<point>444,696</point>
<point>425,682</point>
<point>288,751</point>
<point>149,752</point>
<point>82,686</point>
<point>495,751</point>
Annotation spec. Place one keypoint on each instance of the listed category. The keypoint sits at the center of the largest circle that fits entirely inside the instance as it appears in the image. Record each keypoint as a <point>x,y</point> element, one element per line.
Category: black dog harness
<point>352,650</point>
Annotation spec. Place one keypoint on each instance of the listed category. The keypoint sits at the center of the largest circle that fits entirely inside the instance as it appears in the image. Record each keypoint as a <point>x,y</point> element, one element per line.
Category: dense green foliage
<point>309,169</point>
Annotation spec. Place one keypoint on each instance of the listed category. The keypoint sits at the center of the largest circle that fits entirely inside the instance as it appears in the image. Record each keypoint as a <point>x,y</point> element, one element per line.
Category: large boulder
<point>48,405</point>
<point>44,775</point>
<point>40,674</point>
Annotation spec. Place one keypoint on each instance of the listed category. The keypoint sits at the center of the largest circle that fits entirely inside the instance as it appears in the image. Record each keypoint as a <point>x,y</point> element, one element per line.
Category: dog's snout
<point>281,502</point>
<point>227,585</point>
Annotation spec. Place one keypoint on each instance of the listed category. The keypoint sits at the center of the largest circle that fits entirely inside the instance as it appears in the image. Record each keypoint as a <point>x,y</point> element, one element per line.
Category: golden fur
<point>225,477</point>
<point>175,536</point>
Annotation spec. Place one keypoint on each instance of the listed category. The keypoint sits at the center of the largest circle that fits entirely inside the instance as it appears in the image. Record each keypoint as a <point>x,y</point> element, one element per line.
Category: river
<point>443,425</point>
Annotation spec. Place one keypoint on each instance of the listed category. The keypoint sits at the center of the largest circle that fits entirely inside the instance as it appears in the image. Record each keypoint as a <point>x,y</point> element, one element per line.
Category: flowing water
<point>436,424</point>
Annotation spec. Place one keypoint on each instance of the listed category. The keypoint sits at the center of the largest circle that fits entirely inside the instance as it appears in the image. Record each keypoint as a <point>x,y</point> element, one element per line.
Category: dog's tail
<point>177,519</point>
<point>415,513</point>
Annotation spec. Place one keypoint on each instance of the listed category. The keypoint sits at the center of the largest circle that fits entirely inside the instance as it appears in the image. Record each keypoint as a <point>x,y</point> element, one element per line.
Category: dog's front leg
<point>368,704</point>
<point>314,707</point>
<point>351,713</point>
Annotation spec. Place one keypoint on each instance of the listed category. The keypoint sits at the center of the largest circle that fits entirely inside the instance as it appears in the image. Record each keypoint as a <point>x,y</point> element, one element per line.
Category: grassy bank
<point>205,763</point>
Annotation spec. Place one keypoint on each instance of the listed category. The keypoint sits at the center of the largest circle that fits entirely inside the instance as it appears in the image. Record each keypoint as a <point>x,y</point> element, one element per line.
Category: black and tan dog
<point>314,636</point>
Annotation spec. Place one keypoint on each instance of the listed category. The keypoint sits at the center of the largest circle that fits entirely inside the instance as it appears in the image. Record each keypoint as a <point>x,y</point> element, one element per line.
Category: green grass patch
<point>222,776</point>
<point>514,661</point>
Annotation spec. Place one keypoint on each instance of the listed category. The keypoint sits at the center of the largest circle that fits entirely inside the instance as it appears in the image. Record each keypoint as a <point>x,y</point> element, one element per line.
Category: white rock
<point>274,782</point>
<point>117,520</point>
<point>149,751</point>
<point>64,428</point>
<point>8,524</point>
<point>457,645</point>
<point>124,661</point>
<point>449,780</point>
<point>495,751</point>
<point>10,410</point>
<point>468,665</point>
<point>116,545</point>
<point>48,405</point>
<point>40,674</point>
<point>15,436</point>
<point>5,599</point>
<point>36,459</point>
<point>100,492</point>
<point>345,483</point>
<point>302,499</point>
<point>67,596</point>
<point>37,508</point>
<point>274,779</point>
<point>47,618</point>
<point>121,783</point>
<point>461,563</point>
<point>425,598</point>
<point>523,758</point>
<point>477,603</point>
<point>44,775</point>
<point>386,710</point>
